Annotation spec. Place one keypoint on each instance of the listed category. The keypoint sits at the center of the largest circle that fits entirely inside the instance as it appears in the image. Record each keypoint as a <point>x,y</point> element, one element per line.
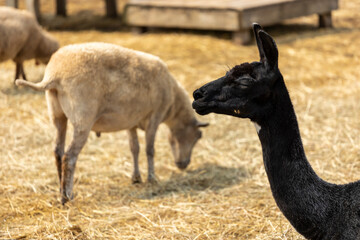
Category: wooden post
<point>325,20</point>
<point>12,3</point>
<point>33,6</point>
<point>61,8</point>
<point>242,37</point>
<point>138,30</point>
<point>111,10</point>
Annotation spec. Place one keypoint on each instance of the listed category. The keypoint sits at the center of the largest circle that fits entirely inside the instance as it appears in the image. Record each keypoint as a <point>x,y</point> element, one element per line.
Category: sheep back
<point>21,35</point>
<point>117,82</point>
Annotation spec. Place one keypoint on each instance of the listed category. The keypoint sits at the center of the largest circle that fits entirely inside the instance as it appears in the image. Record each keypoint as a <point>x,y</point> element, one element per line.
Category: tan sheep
<point>22,38</point>
<point>104,88</point>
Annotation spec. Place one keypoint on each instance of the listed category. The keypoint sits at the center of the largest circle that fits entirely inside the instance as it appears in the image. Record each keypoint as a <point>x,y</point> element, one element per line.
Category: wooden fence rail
<point>34,7</point>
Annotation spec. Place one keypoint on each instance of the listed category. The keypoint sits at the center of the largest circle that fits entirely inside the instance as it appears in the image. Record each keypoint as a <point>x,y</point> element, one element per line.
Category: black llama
<point>317,209</point>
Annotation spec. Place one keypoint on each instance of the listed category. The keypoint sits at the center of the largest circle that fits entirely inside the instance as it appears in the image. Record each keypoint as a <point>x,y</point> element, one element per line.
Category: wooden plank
<point>12,3</point>
<point>229,15</point>
<point>267,15</point>
<point>196,13</point>
<point>182,18</point>
<point>242,37</point>
<point>206,4</point>
<point>111,10</point>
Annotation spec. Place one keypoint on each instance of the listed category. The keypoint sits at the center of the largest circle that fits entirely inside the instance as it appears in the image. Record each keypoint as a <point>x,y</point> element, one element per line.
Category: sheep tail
<point>40,86</point>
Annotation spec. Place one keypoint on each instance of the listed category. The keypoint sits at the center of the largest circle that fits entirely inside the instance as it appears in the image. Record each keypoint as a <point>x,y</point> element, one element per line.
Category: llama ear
<point>257,28</point>
<point>201,124</point>
<point>269,49</point>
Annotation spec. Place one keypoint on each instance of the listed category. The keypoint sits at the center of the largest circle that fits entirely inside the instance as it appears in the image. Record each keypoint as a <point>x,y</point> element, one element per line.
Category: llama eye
<point>243,83</point>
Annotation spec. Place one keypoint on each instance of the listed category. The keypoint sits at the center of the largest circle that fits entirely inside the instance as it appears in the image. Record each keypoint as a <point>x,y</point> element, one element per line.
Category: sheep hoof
<point>136,179</point>
<point>152,180</point>
<point>65,199</point>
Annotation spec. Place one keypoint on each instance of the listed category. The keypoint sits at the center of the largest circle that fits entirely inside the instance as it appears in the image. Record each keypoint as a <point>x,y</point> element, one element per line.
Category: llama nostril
<point>197,94</point>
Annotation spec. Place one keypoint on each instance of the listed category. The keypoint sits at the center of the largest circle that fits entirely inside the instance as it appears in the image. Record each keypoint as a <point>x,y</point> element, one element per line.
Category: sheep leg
<point>22,71</point>
<point>150,152</point>
<point>69,162</point>
<point>60,124</point>
<point>19,71</point>
<point>134,147</point>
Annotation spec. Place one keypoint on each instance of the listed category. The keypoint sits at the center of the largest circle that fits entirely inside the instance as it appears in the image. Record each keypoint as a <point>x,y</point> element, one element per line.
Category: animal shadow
<point>15,90</point>
<point>207,177</point>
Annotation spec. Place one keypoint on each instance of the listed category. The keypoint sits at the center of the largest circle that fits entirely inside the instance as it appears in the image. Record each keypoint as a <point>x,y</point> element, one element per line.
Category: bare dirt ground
<point>224,193</point>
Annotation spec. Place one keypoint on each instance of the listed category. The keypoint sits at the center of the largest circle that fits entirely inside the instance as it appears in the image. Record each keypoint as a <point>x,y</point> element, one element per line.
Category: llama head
<point>247,90</point>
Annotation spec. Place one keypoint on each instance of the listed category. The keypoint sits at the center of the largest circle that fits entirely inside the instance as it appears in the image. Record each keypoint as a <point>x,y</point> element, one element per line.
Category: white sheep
<point>104,88</point>
<point>22,38</point>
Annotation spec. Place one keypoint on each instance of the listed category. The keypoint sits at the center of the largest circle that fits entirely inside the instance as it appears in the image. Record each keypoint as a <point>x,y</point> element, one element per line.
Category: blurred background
<point>224,193</point>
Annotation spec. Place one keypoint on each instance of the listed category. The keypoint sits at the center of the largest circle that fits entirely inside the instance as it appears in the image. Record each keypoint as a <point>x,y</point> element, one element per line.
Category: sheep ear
<point>201,124</point>
<point>269,49</point>
<point>257,28</point>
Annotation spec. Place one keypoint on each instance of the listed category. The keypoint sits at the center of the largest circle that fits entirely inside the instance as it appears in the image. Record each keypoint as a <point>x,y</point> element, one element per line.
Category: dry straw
<point>224,194</point>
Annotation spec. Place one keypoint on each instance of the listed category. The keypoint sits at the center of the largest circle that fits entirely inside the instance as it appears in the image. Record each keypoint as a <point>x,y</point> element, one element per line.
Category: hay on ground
<point>224,194</point>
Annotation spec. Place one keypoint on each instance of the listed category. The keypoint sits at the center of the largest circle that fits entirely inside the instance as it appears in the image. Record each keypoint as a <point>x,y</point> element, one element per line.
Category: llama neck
<point>281,142</point>
<point>300,194</point>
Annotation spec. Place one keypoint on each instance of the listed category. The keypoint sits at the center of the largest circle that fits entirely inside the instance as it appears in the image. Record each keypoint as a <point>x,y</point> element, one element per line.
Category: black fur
<point>239,70</point>
<point>317,209</point>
